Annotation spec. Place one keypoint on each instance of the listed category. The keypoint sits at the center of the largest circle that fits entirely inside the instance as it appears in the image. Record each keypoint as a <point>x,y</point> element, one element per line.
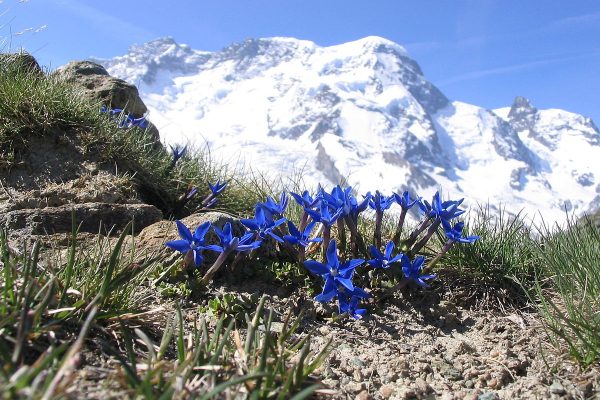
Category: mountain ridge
<point>363,110</point>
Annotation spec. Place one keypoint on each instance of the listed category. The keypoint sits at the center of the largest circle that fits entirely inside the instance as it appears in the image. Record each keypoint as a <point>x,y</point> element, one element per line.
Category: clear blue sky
<point>482,52</point>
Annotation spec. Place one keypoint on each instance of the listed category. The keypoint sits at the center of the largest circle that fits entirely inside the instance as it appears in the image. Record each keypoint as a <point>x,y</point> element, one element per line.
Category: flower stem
<point>215,267</point>
<point>419,245</point>
<point>398,233</point>
<point>413,236</point>
<point>355,237</point>
<point>377,235</point>
<point>326,240</point>
<point>443,251</point>
<point>341,238</point>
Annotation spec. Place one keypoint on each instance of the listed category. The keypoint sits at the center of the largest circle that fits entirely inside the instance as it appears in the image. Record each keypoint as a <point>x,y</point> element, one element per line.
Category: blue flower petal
<point>184,232</point>
<point>179,245</point>
<point>316,267</point>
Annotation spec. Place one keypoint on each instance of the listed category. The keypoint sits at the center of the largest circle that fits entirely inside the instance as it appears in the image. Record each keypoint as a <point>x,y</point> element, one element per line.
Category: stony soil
<point>416,345</point>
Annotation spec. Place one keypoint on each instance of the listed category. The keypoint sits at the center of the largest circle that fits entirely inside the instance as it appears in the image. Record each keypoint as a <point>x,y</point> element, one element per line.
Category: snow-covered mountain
<point>363,111</point>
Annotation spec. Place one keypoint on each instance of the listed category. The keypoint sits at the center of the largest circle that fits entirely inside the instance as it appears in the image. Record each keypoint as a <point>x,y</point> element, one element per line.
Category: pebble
<point>488,396</point>
<point>557,388</point>
<point>324,330</point>
<point>363,395</point>
<point>386,391</point>
<point>357,362</point>
<point>354,387</point>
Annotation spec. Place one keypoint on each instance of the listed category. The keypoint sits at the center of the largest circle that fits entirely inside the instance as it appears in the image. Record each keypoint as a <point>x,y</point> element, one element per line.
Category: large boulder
<point>97,85</point>
<point>22,61</point>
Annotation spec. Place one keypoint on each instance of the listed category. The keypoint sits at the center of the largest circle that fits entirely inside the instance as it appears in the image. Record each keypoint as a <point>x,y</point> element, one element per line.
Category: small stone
<point>407,393</point>
<point>363,395</point>
<point>324,330</point>
<point>488,396</point>
<point>386,391</point>
<point>357,362</point>
<point>494,353</point>
<point>450,373</point>
<point>422,386</point>
<point>469,384</point>
<point>494,383</point>
<point>557,388</point>
<point>354,387</point>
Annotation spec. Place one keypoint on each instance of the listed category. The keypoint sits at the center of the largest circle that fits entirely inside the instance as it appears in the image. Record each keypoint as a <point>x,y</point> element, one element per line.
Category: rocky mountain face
<point>364,112</point>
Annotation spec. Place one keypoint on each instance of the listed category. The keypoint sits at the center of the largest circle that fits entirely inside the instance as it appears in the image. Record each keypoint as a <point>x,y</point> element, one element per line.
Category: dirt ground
<point>415,345</point>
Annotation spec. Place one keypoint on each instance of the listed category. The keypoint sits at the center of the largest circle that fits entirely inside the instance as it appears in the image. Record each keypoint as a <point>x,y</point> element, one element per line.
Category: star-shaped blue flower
<point>338,277</point>
<point>217,188</point>
<point>455,233</point>
<point>194,243</point>
<point>412,270</point>
<point>350,307</point>
<point>442,210</point>
<point>383,260</point>
<point>325,215</point>
<point>305,200</point>
<point>263,225</point>
<point>405,201</point>
<point>273,209</point>
<point>380,202</point>
<point>231,243</point>
<point>177,152</point>
<point>301,238</point>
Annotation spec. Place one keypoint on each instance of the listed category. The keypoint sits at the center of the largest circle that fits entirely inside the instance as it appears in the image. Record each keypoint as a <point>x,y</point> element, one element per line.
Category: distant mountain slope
<point>363,110</point>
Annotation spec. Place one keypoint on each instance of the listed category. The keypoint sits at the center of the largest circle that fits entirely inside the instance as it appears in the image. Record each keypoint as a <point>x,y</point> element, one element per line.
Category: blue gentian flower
<point>383,260</point>
<point>380,202</point>
<point>305,200</point>
<point>350,307</point>
<point>194,243</point>
<point>341,199</point>
<point>301,238</point>
<point>405,201</point>
<point>455,233</point>
<point>272,208</point>
<point>217,188</point>
<point>126,121</point>
<point>337,276</point>
<point>177,152</point>
<point>357,207</point>
<point>412,270</point>
<point>231,243</point>
<point>191,193</point>
<point>325,215</point>
<point>142,122</point>
<point>262,225</point>
<point>443,211</point>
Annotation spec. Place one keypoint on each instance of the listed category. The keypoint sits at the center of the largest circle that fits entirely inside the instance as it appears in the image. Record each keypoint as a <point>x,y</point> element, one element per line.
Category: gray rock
<point>89,217</point>
<point>449,372</point>
<point>97,85</point>
<point>557,388</point>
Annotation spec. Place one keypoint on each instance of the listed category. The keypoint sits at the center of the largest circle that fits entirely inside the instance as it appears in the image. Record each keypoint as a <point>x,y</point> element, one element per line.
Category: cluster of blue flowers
<point>124,120</point>
<point>339,208</point>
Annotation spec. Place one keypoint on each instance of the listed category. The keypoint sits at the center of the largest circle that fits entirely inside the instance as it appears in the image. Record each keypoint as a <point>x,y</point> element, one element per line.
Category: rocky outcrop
<point>22,61</point>
<point>59,180</point>
<point>97,85</point>
<point>104,218</point>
